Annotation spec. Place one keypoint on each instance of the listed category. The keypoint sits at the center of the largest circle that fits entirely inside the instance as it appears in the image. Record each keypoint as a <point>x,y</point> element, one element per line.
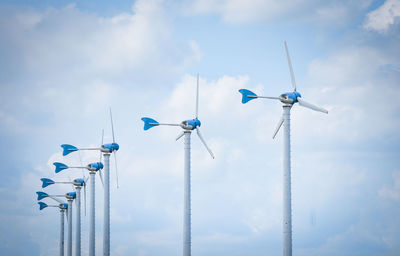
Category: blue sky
<point>63,64</point>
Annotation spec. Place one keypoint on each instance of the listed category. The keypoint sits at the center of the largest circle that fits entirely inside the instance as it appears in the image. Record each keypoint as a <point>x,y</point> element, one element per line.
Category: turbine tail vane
<point>67,149</point>
<point>290,68</point>
<point>247,95</point>
<point>204,142</point>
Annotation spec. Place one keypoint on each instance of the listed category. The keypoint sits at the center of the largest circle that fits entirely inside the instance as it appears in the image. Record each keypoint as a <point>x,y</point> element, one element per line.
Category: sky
<point>64,63</point>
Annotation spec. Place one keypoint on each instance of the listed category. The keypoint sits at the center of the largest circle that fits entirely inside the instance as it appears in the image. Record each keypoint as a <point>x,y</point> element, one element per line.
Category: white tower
<point>288,99</point>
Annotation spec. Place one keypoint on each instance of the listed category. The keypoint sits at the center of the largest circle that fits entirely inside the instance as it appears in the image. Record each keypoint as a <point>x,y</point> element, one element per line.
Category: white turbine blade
<point>102,138</point>
<point>56,199</point>
<point>84,190</point>
<point>311,106</point>
<point>204,142</point>
<point>290,68</point>
<point>66,214</point>
<point>101,178</point>
<point>116,166</point>
<point>112,126</point>
<point>180,135</point>
<point>278,127</point>
<point>80,160</point>
<point>72,184</point>
<point>197,97</point>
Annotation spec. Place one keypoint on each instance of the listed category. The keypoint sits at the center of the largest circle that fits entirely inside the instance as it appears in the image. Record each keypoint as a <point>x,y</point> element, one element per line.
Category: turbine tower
<point>288,99</point>
<point>63,207</point>
<point>188,126</point>
<point>106,149</point>
<point>92,168</point>
<point>70,196</point>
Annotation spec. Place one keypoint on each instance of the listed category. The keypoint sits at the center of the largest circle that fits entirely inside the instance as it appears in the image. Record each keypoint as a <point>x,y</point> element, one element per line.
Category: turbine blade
<point>112,126</point>
<point>290,68</point>
<point>179,136</point>
<point>102,138</point>
<point>56,199</point>
<point>66,214</point>
<point>197,97</point>
<point>116,166</point>
<point>101,178</point>
<point>80,160</point>
<point>278,127</point>
<point>204,142</point>
<point>311,106</point>
<point>84,191</point>
<point>72,184</point>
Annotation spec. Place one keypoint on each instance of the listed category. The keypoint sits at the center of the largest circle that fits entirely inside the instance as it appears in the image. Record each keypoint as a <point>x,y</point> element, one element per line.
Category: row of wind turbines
<point>66,208</point>
<point>288,99</point>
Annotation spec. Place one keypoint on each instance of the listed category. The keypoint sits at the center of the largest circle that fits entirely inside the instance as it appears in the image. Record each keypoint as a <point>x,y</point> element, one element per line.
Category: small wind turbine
<point>288,99</point>
<point>187,126</point>
<point>92,168</point>
<point>106,149</point>
<point>77,185</point>
<point>63,207</point>
<point>70,197</point>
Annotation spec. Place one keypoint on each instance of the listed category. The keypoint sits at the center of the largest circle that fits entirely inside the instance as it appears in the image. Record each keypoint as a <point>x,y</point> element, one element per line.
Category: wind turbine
<point>70,197</point>
<point>77,185</point>
<point>63,207</point>
<point>288,99</point>
<point>106,149</point>
<point>188,126</point>
<point>92,168</point>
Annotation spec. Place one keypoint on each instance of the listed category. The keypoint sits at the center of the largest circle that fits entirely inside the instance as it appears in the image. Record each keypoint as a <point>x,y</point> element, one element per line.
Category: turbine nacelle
<point>78,182</point>
<point>109,148</point>
<point>289,97</point>
<point>190,124</point>
<point>95,166</point>
<point>70,195</point>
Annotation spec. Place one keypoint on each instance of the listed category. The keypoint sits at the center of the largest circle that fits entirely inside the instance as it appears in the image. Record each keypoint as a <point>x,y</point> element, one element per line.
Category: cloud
<point>314,11</point>
<point>392,191</point>
<point>383,18</point>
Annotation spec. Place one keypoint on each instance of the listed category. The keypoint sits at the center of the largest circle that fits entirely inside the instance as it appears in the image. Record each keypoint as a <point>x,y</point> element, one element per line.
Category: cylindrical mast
<point>61,232</point>
<point>92,214</point>
<point>106,235</point>
<point>186,198</point>
<point>287,198</point>
<point>78,222</point>
<point>69,233</point>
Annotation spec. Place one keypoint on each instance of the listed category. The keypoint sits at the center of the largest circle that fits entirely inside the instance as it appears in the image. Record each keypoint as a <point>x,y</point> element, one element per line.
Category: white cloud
<point>384,17</point>
<point>392,191</point>
<point>314,11</point>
